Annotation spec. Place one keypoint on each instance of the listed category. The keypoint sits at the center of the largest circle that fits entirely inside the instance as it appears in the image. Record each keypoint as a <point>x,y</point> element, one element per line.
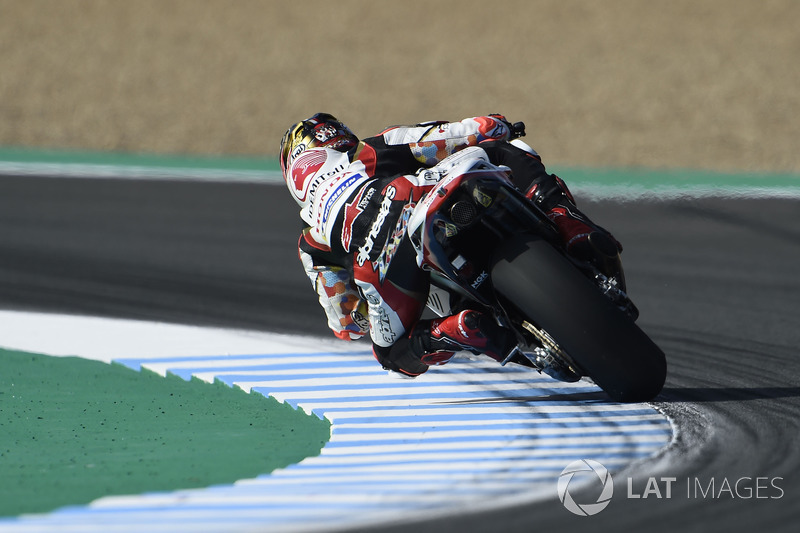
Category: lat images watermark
<point>598,474</point>
<point>588,475</point>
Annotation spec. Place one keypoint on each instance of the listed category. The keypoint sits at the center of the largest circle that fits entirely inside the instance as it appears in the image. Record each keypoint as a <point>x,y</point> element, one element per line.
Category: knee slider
<point>399,358</point>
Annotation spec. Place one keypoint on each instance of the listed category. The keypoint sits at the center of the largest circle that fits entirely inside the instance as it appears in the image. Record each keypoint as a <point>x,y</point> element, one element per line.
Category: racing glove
<point>347,312</point>
<point>515,130</point>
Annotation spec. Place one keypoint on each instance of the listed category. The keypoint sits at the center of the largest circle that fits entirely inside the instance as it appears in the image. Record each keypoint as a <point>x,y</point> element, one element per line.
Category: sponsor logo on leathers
<point>352,211</point>
<point>340,188</point>
<point>382,325</point>
<point>383,262</point>
<point>365,250</point>
<point>305,172</point>
<point>304,168</point>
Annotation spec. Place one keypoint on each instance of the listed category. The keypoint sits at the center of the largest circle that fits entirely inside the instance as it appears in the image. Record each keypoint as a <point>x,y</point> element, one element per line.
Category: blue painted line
<point>356,485</point>
<point>226,516</point>
<point>475,462</point>
<point>231,379</point>
<point>360,484</point>
<point>477,415</point>
<point>553,450</point>
<point>502,426</point>
<point>355,365</point>
<point>530,400</point>
<point>486,395</point>
<point>476,468</point>
<point>528,406</point>
<point>296,477</point>
<point>159,515</point>
<point>358,371</point>
<point>312,368</point>
<point>367,368</point>
<point>305,368</point>
<point>238,357</point>
<point>408,385</point>
<point>461,366</point>
<point>422,440</point>
<point>369,365</point>
<point>475,401</point>
<point>377,386</point>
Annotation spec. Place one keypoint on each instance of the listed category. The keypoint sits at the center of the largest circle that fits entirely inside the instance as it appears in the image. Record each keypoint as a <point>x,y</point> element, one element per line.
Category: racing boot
<point>436,341</point>
<point>582,238</point>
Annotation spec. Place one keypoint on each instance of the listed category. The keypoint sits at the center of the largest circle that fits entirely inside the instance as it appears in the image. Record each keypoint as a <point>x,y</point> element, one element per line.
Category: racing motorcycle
<point>489,248</point>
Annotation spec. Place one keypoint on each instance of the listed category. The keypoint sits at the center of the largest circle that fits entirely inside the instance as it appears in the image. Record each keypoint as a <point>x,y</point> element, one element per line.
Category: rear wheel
<point>534,279</point>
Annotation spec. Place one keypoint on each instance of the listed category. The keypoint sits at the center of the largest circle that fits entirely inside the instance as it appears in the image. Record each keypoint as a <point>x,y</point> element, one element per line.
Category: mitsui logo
<point>593,473</point>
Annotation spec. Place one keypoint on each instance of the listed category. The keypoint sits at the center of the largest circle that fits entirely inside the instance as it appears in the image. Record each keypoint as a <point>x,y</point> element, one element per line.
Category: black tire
<point>603,341</point>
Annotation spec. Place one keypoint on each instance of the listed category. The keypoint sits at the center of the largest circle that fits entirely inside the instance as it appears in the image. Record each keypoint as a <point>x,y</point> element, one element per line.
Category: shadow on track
<point>668,395</point>
<point>585,397</point>
<point>725,394</point>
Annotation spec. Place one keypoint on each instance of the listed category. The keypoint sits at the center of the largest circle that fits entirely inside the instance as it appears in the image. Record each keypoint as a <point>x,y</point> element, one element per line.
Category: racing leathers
<point>355,249</point>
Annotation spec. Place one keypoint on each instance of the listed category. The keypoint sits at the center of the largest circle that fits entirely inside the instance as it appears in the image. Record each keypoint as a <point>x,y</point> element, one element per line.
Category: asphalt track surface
<point>715,280</point>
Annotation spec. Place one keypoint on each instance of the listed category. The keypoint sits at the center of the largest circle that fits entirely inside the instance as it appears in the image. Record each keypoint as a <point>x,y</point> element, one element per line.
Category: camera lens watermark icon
<point>595,475</point>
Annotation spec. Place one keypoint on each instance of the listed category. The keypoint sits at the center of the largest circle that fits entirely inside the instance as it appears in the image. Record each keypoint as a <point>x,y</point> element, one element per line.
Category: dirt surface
<point>685,83</point>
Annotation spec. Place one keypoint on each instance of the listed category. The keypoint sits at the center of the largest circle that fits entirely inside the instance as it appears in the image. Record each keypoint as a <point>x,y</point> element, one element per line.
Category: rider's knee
<point>399,358</point>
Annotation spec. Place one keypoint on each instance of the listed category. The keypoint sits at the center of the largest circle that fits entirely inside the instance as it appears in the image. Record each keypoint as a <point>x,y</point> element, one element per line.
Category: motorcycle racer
<point>355,197</point>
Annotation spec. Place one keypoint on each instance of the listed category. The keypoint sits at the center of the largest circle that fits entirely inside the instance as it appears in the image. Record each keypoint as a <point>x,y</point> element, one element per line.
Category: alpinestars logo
<point>365,250</point>
<point>352,211</point>
<point>598,475</point>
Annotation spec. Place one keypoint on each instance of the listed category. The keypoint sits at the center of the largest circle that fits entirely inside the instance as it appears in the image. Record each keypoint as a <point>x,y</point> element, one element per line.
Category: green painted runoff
<point>73,430</point>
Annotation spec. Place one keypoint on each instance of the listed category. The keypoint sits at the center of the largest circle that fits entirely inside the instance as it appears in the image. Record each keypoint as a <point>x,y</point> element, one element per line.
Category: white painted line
<point>138,172</point>
<point>491,423</point>
<point>633,192</point>
<point>617,442</point>
<point>468,435</point>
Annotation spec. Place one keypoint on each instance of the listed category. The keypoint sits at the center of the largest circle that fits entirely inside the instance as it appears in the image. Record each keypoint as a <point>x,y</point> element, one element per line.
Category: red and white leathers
<point>321,179</point>
<point>335,188</point>
<point>355,250</point>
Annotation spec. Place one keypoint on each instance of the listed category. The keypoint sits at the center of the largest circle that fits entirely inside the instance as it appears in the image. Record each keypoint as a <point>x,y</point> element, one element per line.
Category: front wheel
<point>533,279</point>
